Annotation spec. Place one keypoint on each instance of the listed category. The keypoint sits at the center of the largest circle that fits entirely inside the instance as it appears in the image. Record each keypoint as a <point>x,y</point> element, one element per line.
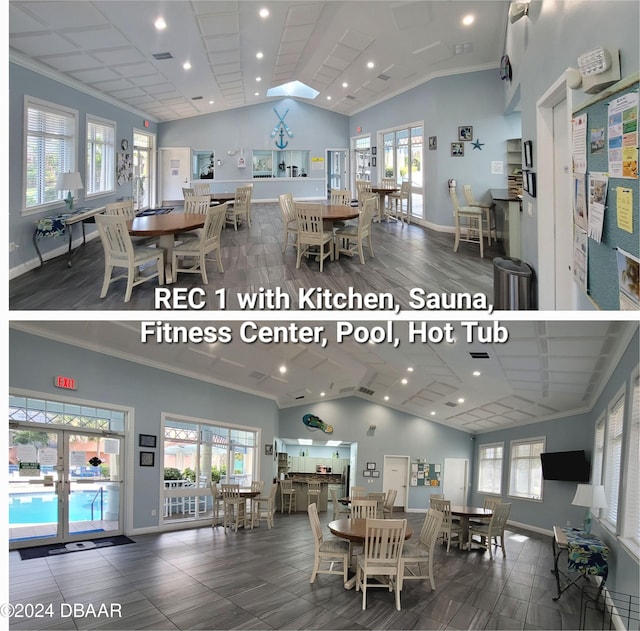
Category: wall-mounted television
<point>570,466</point>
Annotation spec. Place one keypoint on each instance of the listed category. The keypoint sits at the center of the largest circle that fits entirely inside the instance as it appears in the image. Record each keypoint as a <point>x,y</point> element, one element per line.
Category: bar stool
<point>313,493</point>
<point>287,496</point>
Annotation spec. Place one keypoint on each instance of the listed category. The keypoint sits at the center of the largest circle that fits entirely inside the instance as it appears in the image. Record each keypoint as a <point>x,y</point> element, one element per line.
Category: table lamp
<point>70,181</point>
<point>591,496</point>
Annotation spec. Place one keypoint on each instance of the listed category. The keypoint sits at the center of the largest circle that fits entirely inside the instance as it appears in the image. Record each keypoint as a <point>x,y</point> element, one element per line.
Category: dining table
<point>167,227</point>
<point>331,213</point>
<point>221,198</point>
<point>465,513</point>
<point>382,191</point>
<point>354,530</point>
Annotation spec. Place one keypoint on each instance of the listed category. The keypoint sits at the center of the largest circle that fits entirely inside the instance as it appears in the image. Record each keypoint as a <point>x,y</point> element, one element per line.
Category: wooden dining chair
<point>351,239</point>
<point>468,223</point>
<point>119,251</point>
<point>417,556</point>
<point>339,509</point>
<point>218,503</point>
<point>358,492</point>
<point>387,509</point>
<point>240,209</point>
<point>400,211</point>
<point>379,497</point>
<point>188,191</point>
<point>311,233</point>
<point>381,558</point>
<point>196,250</point>
<point>449,528</point>
<point>364,509</point>
<point>235,507</point>
<point>201,189</point>
<point>488,212</point>
<point>342,197</point>
<point>121,209</point>
<point>264,507</point>
<point>330,551</point>
<point>289,221</point>
<point>287,496</point>
<point>492,533</point>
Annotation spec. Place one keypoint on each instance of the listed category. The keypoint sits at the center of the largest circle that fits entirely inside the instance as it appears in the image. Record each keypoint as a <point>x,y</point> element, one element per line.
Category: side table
<point>58,225</point>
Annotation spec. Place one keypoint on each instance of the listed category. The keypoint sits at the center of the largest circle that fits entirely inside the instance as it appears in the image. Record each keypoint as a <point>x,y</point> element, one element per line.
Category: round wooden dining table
<point>166,227</point>
<point>465,512</point>
<point>221,198</point>
<point>382,192</point>
<point>337,212</point>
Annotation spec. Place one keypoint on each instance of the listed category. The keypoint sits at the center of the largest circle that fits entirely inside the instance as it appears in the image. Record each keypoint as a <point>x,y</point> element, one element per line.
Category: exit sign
<point>68,383</point>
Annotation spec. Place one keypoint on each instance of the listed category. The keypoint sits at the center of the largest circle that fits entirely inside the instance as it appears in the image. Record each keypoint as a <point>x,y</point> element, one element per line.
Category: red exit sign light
<point>68,383</point>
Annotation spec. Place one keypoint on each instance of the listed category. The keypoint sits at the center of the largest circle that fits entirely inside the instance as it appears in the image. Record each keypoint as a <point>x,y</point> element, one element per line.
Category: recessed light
<point>256,94</point>
<point>370,64</point>
<point>322,394</point>
<point>468,19</point>
<point>476,373</point>
<point>410,369</point>
<point>264,13</point>
<point>160,24</point>
<point>258,78</point>
<point>210,102</point>
<point>283,369</point>
<point>345,84</point>
<point>405,382</point>
<point>259,55</point>
<point>186,65</point>
<point>328,98</point>
<point>432,413</point>
<point>460,400</point>
<point>386,397</point>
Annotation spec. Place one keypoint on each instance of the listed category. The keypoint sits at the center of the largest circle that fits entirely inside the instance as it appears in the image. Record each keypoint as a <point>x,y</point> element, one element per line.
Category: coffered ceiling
<point>112,47</point>
<point>545,370</point>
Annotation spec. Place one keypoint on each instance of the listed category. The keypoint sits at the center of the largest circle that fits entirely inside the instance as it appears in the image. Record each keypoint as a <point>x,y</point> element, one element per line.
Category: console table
<point>586,555</point>
<point>58,225</point>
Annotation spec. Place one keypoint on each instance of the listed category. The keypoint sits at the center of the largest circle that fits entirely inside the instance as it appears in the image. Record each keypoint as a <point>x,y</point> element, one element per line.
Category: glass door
<point>63,485</point>
<point>141,170</point>
<point>337,169</point>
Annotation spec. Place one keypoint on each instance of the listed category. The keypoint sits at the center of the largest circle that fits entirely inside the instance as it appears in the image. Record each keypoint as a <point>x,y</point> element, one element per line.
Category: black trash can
<point>512,284</point>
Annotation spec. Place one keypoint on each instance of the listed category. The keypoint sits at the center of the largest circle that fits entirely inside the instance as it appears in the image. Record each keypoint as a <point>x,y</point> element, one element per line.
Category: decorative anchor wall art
<point>313,422</point>
<point>280,130</point>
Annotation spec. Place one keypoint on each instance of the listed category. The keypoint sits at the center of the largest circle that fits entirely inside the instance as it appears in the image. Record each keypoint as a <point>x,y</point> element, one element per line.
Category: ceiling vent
<point>461,49</point>
<point>351,97</point>
<point>161,56</point>
<point>347,389</point>
<point>256,374</point>
<point>451,404</point>
<point>479,355</point>
<point>196,98</point>
<point>384,77</point>
<point>366,391</point>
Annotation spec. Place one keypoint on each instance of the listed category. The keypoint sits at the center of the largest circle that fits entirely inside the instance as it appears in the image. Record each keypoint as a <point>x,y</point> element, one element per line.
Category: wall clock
<point>124,143</point>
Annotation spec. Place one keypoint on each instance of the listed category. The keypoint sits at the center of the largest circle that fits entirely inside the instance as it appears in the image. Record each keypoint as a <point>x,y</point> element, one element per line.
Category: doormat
<point>75,546</point>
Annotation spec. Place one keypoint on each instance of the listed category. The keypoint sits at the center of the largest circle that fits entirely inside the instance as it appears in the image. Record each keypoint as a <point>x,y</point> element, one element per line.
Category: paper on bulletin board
<point>624,206</point>
<point>579,201</point>
<point>623,136</point>
<point>580,253</point>
<point>598,183</point>
<point>579,143</point>
<point>628,281</point>
<point>317,163</point>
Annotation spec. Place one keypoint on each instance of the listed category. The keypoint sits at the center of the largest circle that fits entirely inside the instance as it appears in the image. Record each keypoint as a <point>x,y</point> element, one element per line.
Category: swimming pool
<point>42,508</point>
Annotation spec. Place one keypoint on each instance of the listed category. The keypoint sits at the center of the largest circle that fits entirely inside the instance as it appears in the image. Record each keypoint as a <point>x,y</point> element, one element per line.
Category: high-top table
<point>382,192</point>
<point>166,227</point>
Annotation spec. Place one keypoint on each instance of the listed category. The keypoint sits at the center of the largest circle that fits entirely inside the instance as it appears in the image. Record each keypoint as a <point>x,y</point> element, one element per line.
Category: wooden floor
<point>406,256</point>
<point>203,578</point>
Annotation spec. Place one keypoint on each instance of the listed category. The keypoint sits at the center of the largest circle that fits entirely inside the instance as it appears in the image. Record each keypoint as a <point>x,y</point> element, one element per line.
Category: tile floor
<point>202,578</point>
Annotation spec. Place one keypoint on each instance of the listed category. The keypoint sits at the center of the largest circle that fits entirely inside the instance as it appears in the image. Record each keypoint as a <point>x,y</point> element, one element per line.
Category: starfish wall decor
<point>477,144</point>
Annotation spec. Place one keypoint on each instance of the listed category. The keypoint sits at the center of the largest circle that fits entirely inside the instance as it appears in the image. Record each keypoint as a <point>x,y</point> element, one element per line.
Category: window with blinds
<point>490,468</point>
<point>100,169</point>
<point>525,478</point>
<point>598,457</point>
<point>631,527</point>
<point>50,150</point>
<point>613,461</point>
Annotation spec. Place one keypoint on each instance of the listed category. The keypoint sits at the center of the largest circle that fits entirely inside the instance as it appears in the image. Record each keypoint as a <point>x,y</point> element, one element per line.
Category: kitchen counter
<point>300,485</point>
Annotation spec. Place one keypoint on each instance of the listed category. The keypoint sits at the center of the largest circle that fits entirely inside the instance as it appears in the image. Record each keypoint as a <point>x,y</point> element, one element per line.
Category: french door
<point>64,484</point>
<point>142,182</point>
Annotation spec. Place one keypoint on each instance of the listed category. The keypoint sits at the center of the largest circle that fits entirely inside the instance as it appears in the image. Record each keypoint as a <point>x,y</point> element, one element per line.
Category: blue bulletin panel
<point>424,474</point>
<point>602,264</point>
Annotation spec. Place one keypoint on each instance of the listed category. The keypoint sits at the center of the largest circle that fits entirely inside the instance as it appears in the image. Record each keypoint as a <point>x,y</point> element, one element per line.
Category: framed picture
<point>375,474</point>
<point>373,161</point>
<point>525,181</point>
<point>147,458</point>
<point>528,153</point>
<point>374,151</point>
<point>147,440</point>
<point>371,466</point>
<point>433,142</point>
<point>366,473</point>
<point>268,450</point>
<point>531,183</point>
<point>465,133</point>
<point>457,149</point>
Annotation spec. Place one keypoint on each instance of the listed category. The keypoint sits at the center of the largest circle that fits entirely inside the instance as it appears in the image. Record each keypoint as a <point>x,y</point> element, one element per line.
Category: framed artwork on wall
<point>465,133</point>
<point>457,149</point>
<point>531,183</point>
<point>433,142</point>
<point>366,473</point>
<point>147,440</point>
<point>528,153</point>
<point>147,458</point>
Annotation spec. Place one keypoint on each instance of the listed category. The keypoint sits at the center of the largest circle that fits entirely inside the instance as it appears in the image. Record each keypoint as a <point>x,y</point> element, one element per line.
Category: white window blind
<point>100,171</point>
<point>613,461</point>
<point>525,479</point>
<point>490,468</point>
<point>631,528</point>
<point>50,150</point>
<point>598,456</point>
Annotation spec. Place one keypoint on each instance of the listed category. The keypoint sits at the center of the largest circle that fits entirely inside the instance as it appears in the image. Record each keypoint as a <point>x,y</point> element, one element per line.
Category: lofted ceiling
<point>110,45</point>
<point>545,370</point>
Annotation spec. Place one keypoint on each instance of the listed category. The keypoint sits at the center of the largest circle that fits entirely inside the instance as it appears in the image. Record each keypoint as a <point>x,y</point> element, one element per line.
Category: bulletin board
<point>423,474</point>
<point>607,284</point>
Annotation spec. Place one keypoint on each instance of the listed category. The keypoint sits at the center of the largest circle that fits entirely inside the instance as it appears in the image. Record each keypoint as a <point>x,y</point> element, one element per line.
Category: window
<point>490,469</point>
<point>613,461</point>
<point>100,169</point>
<point>598,452</point>
<point>525,478</point>
<point>631,527</point>
<point>50,149</point>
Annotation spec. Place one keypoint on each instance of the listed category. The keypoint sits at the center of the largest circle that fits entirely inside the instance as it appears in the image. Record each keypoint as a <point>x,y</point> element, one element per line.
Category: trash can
<point>512,284</point>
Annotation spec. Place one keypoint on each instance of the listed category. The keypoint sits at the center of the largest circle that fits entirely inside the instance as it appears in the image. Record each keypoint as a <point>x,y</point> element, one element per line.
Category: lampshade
<point>70,181</point>
<point>590,495</point>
